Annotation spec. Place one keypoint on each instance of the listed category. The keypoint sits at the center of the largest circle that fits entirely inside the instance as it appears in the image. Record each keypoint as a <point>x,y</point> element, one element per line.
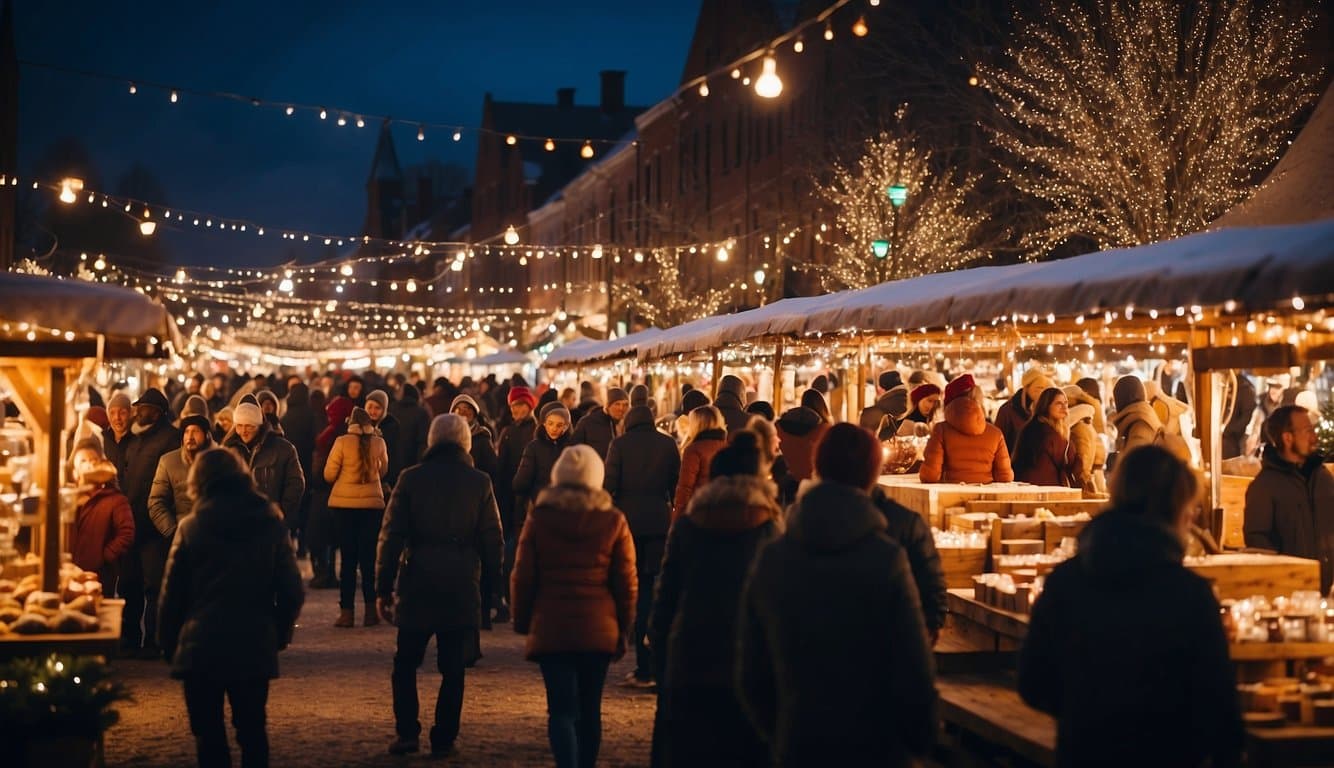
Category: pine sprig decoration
<point>58,696</point>
<point>1135,121</point>
<point>935,228</point>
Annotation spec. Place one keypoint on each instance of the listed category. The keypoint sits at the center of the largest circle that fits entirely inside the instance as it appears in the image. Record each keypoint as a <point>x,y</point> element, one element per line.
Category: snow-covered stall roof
<point>1254,266</point>
<point>501,357</point>
<point>131,324</point>
<point>609,349</point>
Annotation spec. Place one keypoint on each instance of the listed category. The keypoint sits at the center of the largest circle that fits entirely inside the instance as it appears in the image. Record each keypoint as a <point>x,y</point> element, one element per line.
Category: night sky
<point>430,61</point>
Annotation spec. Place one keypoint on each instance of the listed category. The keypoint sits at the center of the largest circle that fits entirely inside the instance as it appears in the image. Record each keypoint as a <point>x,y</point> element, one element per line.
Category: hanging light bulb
<point>342,119</point>
<point>421,133</point>
<point>324,114</point>
<point>511,235</point>
<point>345,270</point>
<point>799,46</point>
<point>290,111</point>
<point>411,286</point>
<point>759,277</point>
<point>180,277</point>
<point>859,27</point>
<point>736,74</point>
<point>704,90</point>
<point>769,85</point>
<point>722,254</point>
<point>360,122</point>
<point>458,135</point>
<point>586,152</point>
<point>829,31</point>
<point>133,89</point>
<point>550,146</point>
<point>597,251</point>
<point>639,257</point>
<point>511,140</point>
<point>285,285</point>
<point>174,97</point>
<point>147,227</point>
<point>68,188</point>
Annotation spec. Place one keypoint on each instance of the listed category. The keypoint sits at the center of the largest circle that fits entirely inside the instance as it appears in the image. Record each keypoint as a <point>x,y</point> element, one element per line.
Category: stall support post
<point>717,373</point>
<point>51,523</point>
<point>778,376</point>
<point>862,353</point>
<point>1208,415</point>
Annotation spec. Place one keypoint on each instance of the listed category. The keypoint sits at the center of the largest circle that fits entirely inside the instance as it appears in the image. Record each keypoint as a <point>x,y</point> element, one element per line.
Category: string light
<point>829,32</point>
<point>174,97</point>
<point>704,90</point>
<point>799,45</point>
<point>511,235</point>
<point>421,133</point>
<point>587,151</point>
<point>550,146</point>
<point>769,85</point>
<point>859,27</point>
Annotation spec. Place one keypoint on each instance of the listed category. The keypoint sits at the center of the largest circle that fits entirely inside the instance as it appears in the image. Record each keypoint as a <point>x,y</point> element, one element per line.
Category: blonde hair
<point>704,418</point>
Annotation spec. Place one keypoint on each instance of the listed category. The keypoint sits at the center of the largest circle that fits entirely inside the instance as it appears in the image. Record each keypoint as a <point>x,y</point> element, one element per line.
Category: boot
<point>370,618</point>
<point>344,618</point>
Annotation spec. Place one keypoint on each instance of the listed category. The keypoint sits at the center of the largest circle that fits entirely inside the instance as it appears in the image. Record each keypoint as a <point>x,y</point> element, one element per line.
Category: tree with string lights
<point>1134,121</point>
<point>666,297</point>
<point>897,215</point>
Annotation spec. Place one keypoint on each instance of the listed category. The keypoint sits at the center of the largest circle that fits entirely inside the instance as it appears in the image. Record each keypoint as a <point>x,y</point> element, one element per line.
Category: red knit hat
<point>922,392</point>
<point>522,395</point>
<point>961,386</point>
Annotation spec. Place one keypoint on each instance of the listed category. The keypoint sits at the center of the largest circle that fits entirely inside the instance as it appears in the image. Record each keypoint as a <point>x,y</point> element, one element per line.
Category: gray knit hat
<point>450,428</point>
<point>379,396</point>
<point>616,395</point>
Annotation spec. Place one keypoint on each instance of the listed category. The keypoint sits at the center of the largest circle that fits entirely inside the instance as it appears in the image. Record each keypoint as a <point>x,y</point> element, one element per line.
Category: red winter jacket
<point>103,525</point>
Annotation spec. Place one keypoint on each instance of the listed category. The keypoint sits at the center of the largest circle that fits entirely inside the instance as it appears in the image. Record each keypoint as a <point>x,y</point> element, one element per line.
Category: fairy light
<point>704,90</point>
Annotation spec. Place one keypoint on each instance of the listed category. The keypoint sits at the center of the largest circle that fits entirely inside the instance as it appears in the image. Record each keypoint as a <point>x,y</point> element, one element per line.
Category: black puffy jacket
<point>912,533</point>
<point>142,451</point>
<point>513,440</point>
<point>596,430</point>
<point>643,466</point>
<point>275,466</point>
<point>534,472</point>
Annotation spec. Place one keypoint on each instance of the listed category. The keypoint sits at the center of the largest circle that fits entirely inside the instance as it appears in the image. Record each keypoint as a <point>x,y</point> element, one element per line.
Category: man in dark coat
<point>151,436</point>
<point>170,501</point>
<point>413,424</point>
<point>509,453</point>
<point>443,524</point>
<point>230,599</point>
<point>882,417</point>
<point>299,429</point>
<point>377,407</point>
<point>587,403</point>
<point>1290,504</point>
<point>864,695</point>
<point>731,400</point>
<point>642,468</point>
<point>600,426</point>
<point>272,460</point>
<point>912,533</point>
<point>442,394</point>
<point>117,435</point>
<point>539,456</point>
<point>483,450</point>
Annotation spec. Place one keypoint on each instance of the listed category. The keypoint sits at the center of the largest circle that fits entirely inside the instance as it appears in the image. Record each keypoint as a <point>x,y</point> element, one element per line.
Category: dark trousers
<point>449,701</point>
<point>574,706</point>
<point>140,576</point>
<point>358,531</point>
<point>203,700</point>
<point>643,609</point>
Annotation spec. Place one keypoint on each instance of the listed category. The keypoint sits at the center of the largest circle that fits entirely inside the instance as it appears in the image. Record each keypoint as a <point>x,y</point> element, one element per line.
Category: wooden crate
<point>930,500</point>
<point>1238,576</point>
<point>961,564</point>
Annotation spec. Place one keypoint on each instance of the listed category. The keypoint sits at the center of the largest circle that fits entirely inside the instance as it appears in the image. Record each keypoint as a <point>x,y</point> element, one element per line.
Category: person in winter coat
<point>1124,647</point>
<point>483,450</point>
<point>1016,412</point>
<point>864,695</point>
<point>1290,504</point>
<point>509,453</point>
<point>731,403</point>
<point>964,448</point>
<point>268,405</point>
<point>799,431</point>
<point>170,500</point>
<point>442,525</point>
<point>272,460</point>
<point>354,470</point>
<point>1137,423</point>
<point>925,399</point>
<point>103,523</point>
<point>116,435</point>
<point>707,437</point>
<point>1088,455</point>
<point>1042,455</point>
<point>1243,407</point>
<point>151,435</point>
<point>230,599</point>
<point>413,425</point>
<point>222,425</point>
<point>694,613</point>
<point>641,474</point>
<point>599,426</point>
<point>539,456</point>
<point>912,533</point>
<point>322,538</point>
<point>573,594</point>
<point>299,429</point>
<point>883,416</point>
<point>377,407</point>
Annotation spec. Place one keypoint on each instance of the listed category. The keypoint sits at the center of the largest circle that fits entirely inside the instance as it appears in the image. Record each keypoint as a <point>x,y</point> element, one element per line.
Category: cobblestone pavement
<point>331,707</point>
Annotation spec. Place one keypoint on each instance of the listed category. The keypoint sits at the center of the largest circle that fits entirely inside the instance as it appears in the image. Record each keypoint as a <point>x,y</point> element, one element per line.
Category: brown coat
<point>799,430</point>
<point>964,448</point>
<point>1048,463</point>
<point>574,584</point>
<point>103,524</point>
<point>695,467</point>
<point>1012,416</point>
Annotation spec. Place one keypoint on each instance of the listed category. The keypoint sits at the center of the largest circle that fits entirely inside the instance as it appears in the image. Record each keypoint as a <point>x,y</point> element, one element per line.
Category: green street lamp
<point>880,248</point>
<point>898,194</point>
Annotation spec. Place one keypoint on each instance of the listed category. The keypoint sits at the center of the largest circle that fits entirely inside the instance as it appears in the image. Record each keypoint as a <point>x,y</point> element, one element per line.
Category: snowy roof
<point>582,351</point>
<point>502,357</point>
<point>1256,267</point>
<point>132,324</point>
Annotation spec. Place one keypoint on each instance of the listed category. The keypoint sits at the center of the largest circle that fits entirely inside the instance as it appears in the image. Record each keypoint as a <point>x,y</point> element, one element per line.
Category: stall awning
<point>589,351</point>
<point>131,324</point>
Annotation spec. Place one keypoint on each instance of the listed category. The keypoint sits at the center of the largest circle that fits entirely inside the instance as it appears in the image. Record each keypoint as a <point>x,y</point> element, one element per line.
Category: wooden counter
<point>103,642</point>
<point>931,499</point>
<point>1239,576</point>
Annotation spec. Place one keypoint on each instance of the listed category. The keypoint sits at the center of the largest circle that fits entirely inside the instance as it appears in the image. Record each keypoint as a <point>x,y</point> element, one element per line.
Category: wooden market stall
<point>51,329</point>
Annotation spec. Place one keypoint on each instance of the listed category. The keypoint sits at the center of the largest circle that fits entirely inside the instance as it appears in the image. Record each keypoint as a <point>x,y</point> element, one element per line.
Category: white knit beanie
<point>578,465</point>
<point>450,428</point>
<point>247,413</point>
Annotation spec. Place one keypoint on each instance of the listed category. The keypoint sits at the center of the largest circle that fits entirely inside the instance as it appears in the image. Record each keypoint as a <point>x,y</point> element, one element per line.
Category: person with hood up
<point>357,463</point>
<point>883,416</point>
<point>731,403</point>
<point>103,523</point>
<point>268,404</point>
<point>230,599</point>
<point>707,436</point>
<point>439,542</point>
<point>642,469</point>
<point>964,448</point>
<point>573,594</point>
<point>1137,423</point>
<point>377,407</point>
<point>414,424</point>
<point>864,695</point>
<point>299,429</point>
<point>1124,646</point>
<point>1088,452</point>
<point>1018,410</point>
<point>599,426</point>
<point>694,612</point>
<point>539,456</point>
<point>170,500</point>
<point>442,394</point>
<point>513,440</point>
<point>354,389</point>
<point>222,424</point>
<point>151,436</point>
<point>1290,504</point>
<point>320,529</point>
<point>587,403</point>
<point>799,431</point>
<point>1042,455</point>
<point>272,459</point>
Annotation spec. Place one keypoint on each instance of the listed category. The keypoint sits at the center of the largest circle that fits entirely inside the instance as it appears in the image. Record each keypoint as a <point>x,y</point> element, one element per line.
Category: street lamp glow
<point>898,194</point>
<point>147,227</point>
<point>769,85</point>
<point>880,248</point>
<point>511,235</point>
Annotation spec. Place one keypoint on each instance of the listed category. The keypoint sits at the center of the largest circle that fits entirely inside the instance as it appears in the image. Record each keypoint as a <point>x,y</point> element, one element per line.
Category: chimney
<point>564,97</point>
<point>613,90</point>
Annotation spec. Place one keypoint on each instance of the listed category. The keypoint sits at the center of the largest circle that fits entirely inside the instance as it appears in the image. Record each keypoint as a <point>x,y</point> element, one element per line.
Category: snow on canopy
<point>132,323</point>
<point>590,350</point>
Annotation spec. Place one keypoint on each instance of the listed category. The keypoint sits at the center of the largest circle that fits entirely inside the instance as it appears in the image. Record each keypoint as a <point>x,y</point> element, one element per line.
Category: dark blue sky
<point>430,61</point>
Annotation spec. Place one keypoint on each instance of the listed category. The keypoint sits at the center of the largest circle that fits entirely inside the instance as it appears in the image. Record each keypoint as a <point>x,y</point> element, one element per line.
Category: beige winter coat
<point>1090,457</point>
<point>343,472</point>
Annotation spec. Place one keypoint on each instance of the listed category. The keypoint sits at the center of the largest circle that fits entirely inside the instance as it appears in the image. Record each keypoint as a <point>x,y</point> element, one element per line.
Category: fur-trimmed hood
<point>1137,411</point>
<point>572,511</point>
<point>735,503</point>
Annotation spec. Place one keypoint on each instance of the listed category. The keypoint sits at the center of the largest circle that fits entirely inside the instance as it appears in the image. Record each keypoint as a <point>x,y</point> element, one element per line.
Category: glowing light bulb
<point>639,257</point>
<point>342,120</point>
<point>722,254</point>
<point>972,80</point>
<point>597,251</point>
<point>345,270</point>
<point>511,235</point>
<point>550,146</point>
<point>736,74</point>
<point>1298,304</point>
<point>324,114</point>
<point>829,32</point>
<point>759,277</point>
<point>286,285</point>
<point>67,193</point>
<point>100,264</point>
<point>411,286</point>
<point>290,111</point>
<point>421,133</point>
<point>859,27</point>
<point>180,276</point>
<point>458,135</point>
<point>133,88</point>
<point>175,97</point>
<point>769,85</point>
<point>511,140</point>
<point>586,152</point>
<point>147,227</point>
<point>799,46</point>
<point>704,90</point>
<point>361,123</point>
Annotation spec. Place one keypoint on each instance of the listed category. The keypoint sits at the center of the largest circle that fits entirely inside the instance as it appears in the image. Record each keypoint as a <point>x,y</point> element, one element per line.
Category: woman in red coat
<point>103,522</point>
<point>1042,456</point>
<point>708,435</point>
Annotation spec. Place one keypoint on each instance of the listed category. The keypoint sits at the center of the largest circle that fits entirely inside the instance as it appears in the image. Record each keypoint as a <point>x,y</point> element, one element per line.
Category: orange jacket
<point>964,448</point>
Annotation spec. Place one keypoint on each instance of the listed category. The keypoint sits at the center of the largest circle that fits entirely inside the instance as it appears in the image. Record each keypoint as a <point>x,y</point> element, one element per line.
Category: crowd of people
<point>744,555</point>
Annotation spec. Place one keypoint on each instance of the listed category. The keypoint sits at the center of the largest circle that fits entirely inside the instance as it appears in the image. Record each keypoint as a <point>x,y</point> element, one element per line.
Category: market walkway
<point>331,707</point>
